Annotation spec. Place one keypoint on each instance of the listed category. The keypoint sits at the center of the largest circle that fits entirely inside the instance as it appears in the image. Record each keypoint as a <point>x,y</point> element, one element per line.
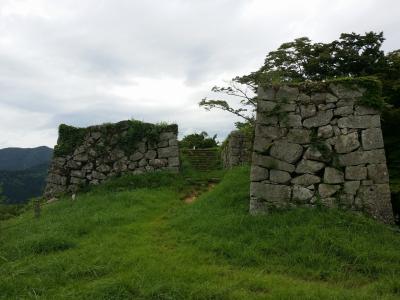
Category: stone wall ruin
<point>90,155</point>
<point>236,150</point>
<point>319,145</point>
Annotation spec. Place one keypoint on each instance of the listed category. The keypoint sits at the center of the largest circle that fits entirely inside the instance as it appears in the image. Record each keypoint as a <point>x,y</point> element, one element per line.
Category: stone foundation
<point>319,148</point>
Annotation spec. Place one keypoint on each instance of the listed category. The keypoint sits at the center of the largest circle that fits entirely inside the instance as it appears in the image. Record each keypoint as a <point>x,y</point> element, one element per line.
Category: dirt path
<point>192,197</point>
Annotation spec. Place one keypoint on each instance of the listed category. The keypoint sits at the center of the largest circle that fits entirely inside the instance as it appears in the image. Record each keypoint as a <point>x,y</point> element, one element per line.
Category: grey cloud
<point>69,60</point>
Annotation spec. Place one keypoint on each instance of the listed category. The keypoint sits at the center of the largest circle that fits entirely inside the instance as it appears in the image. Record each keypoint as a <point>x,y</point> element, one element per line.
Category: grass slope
<point>125,240</point>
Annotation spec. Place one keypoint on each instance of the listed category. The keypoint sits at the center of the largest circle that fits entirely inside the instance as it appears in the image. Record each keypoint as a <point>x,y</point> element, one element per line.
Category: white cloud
<point>94,61</point>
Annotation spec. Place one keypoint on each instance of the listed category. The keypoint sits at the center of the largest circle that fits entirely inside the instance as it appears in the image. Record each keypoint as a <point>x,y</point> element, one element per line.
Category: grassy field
<point>135,238</point>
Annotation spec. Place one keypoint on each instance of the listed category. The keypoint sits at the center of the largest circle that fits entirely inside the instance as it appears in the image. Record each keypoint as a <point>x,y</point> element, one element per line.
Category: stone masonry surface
<point>100,156</point>
<point>318,149</point>
<point>237,150</point>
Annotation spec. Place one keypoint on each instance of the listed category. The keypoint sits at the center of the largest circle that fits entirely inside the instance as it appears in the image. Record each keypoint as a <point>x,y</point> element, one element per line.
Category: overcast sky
<point>85,62</point>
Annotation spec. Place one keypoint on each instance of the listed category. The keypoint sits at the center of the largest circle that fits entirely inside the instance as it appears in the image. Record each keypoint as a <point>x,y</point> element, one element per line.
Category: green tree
<point>198,141</point>
<point>351,55</point>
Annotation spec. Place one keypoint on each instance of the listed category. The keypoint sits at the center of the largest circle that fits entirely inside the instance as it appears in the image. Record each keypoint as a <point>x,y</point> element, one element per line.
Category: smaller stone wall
<point>318,144</point>
<point>203,159</point>
<point>237,150</point>
<point>90,155</point>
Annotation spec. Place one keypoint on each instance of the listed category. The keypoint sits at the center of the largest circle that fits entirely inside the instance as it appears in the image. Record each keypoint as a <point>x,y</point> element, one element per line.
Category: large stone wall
<point>103,152</point>
<point>236,150</point>
<point>319,149</point>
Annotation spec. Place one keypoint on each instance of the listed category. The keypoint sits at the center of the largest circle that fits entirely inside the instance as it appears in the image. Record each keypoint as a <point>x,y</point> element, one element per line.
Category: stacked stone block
<point>318,148</point>
<point>237,150</point>
<point>100,157</point>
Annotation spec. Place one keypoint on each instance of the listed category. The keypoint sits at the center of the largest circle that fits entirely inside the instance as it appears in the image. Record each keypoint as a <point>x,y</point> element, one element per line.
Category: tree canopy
<point>352,55</point>
<point>198,141</point>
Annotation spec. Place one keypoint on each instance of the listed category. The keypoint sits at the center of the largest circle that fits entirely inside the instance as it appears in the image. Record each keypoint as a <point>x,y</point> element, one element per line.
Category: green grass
<point>125,240</point>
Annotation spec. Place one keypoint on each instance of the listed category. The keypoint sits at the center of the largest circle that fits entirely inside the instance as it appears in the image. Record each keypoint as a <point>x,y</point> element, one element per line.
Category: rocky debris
<point>335,158</point>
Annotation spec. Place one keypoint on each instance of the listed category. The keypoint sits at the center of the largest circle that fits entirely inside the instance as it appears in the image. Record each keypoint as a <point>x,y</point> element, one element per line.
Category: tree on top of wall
<point>352,55</point>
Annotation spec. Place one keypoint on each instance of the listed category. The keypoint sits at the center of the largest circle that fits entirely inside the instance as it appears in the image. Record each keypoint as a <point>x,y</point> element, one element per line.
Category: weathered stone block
<point>279,176</point>
<point>168,152</point>
<point>347,143</point>
<point>321,153</point>
<point>272,163</point>
<point>136,156</point>
<point>307,111</point>
<point>375,201</point>
<point>81,157</point>
<point>279,195</point>
<point>332,176</point>
<point>327,190</point>
<point>270,132</point>
<point>342,91</point>
<point>362,157</point>
<point>151,154</point>
<point>306,180</point>
<point>167,136</point>
<point>372,138</point>
<point>309,166</point>
<point>318,98</point>
<point>356,173</point>
<point>359,122</point>
<point>285,151</point>
<point>258,173</point>
<point>299,136</point>
<point>351,187</point>
<point>290,120</point>
<point>301,194</point>
<point>262,144</point>
<point>321,118</point>
<point>343,111</point>
<point>266,119</point>
<point>287,93</point>
<point>325,131</point>
<point>266,93</point>
<point>378,173</point>
<point>365,110</point>
<point>78,173</point>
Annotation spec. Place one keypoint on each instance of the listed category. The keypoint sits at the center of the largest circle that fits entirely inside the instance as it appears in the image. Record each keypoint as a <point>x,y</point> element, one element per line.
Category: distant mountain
<point>20,186</point>
<point>14,159</point>
<point>23,172</point>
